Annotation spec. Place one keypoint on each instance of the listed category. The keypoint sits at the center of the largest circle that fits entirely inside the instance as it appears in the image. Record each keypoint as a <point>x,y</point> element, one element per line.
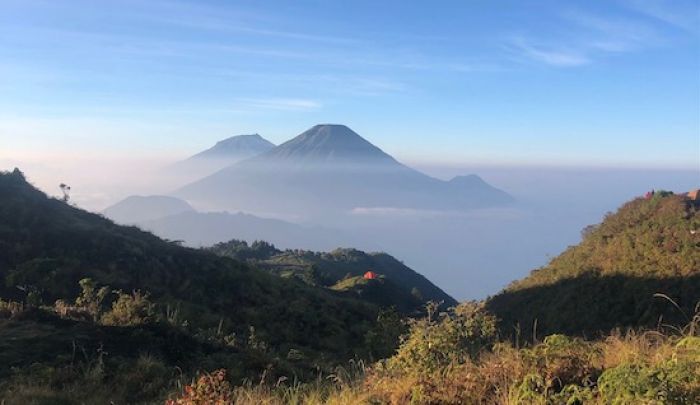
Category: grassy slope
<point>49,245</point>
<point>610,278</point>
<point>381,291</point>
<point>329,268</point>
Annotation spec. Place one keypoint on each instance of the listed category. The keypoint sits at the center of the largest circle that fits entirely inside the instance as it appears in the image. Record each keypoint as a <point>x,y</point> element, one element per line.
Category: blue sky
<point>582,83</point>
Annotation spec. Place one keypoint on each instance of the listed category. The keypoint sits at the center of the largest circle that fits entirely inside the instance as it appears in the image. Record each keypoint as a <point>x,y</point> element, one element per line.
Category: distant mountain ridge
<point>329,169</point>
<point>236,147</point>
<point>224,153</point>
<point>207,228</point>
<point>174,219</point>
<point>135,208</point>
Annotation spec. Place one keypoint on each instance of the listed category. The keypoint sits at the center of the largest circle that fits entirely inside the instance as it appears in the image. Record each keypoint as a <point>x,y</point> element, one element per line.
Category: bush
<point>560,361</point>
<point>91,298</point>
<point>130,310</point>
<point>674,381</point>
<point>455,338</point>
<point>208,389</point>
<point>10,309</point>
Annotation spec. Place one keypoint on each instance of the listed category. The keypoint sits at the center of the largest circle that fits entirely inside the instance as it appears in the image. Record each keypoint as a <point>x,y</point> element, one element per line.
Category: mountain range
<point>95,312</point>
<point>327,170</point>
<point>174,219</point>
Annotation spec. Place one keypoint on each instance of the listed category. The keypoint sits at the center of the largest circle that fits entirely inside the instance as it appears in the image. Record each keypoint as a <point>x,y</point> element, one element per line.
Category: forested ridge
<point>342,270</point>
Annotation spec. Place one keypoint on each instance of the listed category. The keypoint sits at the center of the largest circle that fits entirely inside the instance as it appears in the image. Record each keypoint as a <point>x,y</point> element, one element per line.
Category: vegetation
<point>63,277</point>
<point>456,359</point>
<point>620,275</point>
<point>93,312</point>
<point>342,270</point>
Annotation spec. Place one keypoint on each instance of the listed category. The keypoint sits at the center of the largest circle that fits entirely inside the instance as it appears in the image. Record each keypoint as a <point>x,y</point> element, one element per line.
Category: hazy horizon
<point>470,255</point>
<point>571,108</point>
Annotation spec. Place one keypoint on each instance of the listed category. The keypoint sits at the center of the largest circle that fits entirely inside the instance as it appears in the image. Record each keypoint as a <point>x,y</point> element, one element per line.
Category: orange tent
<point>370,275</point>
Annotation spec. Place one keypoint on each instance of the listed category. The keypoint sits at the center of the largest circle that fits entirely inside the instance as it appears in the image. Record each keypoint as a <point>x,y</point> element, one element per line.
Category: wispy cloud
<point>549,55</point>
<point>584,38</point>
<point>613,34</point>
<point>684,14</point>
<point>279,104</point>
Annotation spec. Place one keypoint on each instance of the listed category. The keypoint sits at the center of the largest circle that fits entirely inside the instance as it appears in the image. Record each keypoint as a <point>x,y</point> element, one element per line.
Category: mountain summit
<point>330,169</point>
<point>328,143</point>
<point>236,148</point>
<point>224,153</point>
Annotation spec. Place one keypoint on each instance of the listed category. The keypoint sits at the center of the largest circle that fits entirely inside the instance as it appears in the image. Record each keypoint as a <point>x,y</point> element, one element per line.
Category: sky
<point>612,83</point>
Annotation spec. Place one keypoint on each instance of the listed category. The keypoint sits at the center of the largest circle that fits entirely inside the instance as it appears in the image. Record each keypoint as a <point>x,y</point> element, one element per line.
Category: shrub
<point>91,298</point>
<point>10,309</point>
<point>130,310</point>
<point>674,381</point>
<point>66,310</point>
<point>455,338</point>
<point>211,389</point>
<point>560,361</point>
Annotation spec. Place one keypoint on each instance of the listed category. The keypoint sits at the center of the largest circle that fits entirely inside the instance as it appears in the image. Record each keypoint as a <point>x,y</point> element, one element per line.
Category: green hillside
<point>381,291</point>
<point>402,287</point>
<point>233,312</point>
<point>649,246</point>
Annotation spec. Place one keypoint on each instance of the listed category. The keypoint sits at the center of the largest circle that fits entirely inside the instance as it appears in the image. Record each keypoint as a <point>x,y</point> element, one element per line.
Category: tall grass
<point>632,367</point>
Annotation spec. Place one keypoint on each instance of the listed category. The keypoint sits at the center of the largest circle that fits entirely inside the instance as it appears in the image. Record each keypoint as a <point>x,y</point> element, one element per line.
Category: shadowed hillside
<point>649,246</point>
<point>48,246</point>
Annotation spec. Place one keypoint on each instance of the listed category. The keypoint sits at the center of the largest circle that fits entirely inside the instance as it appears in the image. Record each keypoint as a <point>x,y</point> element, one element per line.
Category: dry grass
<point>559,370</point>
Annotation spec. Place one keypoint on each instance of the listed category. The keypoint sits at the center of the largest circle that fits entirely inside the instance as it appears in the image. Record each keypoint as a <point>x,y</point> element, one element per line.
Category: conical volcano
<point>331,169</point>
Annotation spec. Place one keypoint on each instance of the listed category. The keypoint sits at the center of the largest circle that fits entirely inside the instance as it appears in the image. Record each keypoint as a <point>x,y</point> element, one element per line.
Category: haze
<point>571,113</point>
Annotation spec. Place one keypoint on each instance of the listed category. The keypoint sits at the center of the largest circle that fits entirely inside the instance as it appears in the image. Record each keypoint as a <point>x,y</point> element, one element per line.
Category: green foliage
<point>130,310</point>
<point>408,291</point>
<point>560,361</point>
<point>51,246</point>
<point>665,383</point>
<point>454,337</point>
<point>675,380</point>
<point>380,291</point>
<point>222,314</point>
<point>383,339</point>
<point>91,298</point>
<point>610,279</point>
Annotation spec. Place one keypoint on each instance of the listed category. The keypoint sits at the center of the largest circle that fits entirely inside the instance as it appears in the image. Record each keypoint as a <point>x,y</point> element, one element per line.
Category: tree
<point>65,189</point>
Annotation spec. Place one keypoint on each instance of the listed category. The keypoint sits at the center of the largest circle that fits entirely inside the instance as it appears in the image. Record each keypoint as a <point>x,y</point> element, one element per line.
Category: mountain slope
<point>135,208</point>
<point>48,246</point>
<point>609,280</point>
<point>224,153</point>
<point>327,170</point>
<point>207,228</point>
<point>403,287</point>
<point>236,148</point>
<point>329,144</point>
